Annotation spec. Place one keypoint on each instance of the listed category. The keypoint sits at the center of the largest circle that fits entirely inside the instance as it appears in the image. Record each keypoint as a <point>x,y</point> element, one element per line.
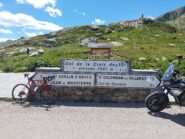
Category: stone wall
<point>101,94</point>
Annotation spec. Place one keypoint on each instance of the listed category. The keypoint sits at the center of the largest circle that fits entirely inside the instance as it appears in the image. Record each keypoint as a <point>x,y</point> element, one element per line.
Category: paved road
<point>89,121</point>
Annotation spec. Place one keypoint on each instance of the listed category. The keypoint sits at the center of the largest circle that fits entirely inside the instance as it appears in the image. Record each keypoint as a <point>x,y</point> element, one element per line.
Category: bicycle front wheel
<point>20,93</point>
<point>48,97</point>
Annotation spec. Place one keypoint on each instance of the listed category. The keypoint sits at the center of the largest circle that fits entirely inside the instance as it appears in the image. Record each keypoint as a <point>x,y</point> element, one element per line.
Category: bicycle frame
<point>24,92</point>
<point>40,87</point>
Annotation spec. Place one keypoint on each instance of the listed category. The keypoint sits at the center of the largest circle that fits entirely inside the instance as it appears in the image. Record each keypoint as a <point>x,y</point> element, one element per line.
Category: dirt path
<point>89,121</point>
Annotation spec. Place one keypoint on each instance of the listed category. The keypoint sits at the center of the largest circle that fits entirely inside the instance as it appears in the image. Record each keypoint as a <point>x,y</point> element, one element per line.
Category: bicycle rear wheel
<point>20,93</point>
<point>48,97</point>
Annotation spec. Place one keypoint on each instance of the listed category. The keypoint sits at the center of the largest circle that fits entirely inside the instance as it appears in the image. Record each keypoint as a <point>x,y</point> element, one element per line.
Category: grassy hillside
<point>152,44</point>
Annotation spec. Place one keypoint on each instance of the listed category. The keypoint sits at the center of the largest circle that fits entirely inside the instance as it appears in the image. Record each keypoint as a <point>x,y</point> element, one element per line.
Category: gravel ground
<point>89,121</point>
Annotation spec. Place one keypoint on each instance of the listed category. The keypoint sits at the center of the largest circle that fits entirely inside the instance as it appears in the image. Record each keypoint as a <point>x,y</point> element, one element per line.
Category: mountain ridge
<point>175,18</point>
<point>171,15</point>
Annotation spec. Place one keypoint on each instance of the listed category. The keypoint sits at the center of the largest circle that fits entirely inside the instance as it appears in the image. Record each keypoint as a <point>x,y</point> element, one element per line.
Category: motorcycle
<point>171,83</point>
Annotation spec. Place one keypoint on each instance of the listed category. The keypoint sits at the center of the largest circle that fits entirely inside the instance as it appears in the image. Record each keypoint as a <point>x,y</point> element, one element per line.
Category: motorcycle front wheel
<point>156,102</point>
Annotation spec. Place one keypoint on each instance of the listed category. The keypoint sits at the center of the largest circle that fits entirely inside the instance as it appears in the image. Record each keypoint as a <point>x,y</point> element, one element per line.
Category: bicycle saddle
<point>26,75</point>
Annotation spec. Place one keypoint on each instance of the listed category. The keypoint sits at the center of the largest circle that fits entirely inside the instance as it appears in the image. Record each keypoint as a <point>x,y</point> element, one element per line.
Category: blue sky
<point>26,18</point>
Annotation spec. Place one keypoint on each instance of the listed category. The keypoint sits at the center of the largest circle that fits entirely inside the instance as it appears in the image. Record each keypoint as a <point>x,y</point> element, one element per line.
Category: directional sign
<point>64,79</point>
<point>127,81</point>
<point>96,66</point>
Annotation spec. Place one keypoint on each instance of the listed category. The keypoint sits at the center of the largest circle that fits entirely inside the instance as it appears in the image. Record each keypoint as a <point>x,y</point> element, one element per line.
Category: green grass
<point>51,58</point>
<point>6,99</point>
<point>151,42</point>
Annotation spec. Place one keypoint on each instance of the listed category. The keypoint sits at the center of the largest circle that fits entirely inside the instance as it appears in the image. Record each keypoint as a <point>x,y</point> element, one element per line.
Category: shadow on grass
<point>176,118</point>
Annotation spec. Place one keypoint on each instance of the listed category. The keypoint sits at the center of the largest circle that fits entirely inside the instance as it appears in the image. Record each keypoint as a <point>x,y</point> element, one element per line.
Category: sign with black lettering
<point>64,79</point>
<point>96,66</point>
<point>127,81</point>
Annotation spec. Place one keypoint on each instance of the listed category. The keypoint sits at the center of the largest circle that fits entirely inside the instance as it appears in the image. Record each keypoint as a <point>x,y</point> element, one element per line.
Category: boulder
<point>116,44</point>
<point>124,39</point>
<point>172,45</point>
<point>34,54</point>
<point>142,59</point>
<point>40,51</point>
<point>88,40</point>
<point>50,42</point>
<point>23,50</point>
<point>95,27</point>
<point>164,58</point>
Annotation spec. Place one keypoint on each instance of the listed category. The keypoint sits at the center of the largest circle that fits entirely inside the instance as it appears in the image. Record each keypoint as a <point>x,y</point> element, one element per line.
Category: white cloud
<point>3,39</point>
<point>47,5</point>
<point>31,34</point>
<point>1,4</point>
<point>53,12</point>
<point>5,31</point>
<point>151,17</point>
<point>79,12</point>
<point>38,3</point>
<point>22,20</point>
<point>98,22</point>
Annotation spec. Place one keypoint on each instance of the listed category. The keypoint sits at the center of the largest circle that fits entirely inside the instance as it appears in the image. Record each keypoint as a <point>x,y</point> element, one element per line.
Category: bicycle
<point>22,92</point>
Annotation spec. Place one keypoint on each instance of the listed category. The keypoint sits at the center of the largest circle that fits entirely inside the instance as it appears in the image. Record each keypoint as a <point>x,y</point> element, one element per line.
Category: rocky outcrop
<point>172,15</point>
<point>92,42</point>
<point>88,40</point>
<point>51,42</point>
<point>175,18</point>
<point>134,23</point>
<point>36,53</point>
<point>5,43</point>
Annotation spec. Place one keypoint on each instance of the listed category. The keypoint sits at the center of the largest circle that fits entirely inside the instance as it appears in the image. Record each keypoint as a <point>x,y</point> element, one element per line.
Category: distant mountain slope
<point>175,18</point>
<point>5,42</point>
<point>74,35</point>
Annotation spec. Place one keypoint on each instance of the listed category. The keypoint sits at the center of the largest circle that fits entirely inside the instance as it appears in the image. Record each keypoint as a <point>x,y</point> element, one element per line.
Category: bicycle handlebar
<point>26,75</point>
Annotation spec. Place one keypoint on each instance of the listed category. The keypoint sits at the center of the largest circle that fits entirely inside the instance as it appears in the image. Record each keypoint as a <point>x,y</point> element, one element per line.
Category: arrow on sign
<point>127,81</point>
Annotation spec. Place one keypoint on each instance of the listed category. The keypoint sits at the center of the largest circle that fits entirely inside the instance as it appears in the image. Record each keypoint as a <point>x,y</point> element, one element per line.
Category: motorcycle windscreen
<point>168,73</point>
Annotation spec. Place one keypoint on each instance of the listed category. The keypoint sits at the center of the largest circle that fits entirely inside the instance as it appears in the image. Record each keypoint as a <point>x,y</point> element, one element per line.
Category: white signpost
<point>64,79</point>
<point>96,66</point>
<point>89,73</point>
<point>127,81</point>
